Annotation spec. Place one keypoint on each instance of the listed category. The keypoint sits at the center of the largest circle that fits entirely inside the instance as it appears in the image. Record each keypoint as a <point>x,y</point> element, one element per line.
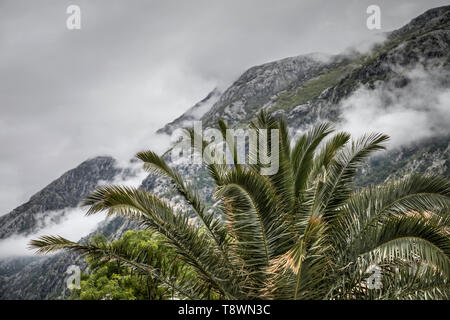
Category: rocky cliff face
<point>256,86</point>
<point>431,19</point>
<point>305,89</point>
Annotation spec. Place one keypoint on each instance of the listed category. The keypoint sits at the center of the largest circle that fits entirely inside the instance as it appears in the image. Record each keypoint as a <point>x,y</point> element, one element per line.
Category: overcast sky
<point>66,96</point>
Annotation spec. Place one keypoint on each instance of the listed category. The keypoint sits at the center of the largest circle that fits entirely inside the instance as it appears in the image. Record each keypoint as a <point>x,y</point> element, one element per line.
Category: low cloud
<point>367,45</point>
<point>73,225</point>
<point>418,110</point>
<point>132,174</point>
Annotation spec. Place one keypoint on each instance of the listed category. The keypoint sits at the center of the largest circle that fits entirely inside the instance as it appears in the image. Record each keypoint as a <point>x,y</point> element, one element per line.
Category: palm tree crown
<point>302,233</point>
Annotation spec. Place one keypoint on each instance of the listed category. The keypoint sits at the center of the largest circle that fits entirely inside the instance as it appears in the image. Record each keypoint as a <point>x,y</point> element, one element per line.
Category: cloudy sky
<point>66,96</point>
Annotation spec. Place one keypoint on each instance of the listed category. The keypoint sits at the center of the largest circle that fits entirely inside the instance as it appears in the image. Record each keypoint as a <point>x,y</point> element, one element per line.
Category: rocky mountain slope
<point>305,89</point>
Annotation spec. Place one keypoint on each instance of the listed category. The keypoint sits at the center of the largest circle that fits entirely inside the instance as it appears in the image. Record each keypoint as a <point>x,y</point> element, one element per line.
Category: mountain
<point>310,87</point>
<point>407,74</point>
<point>44,277</point>
<point>256,86</point>
<point>65,192</point>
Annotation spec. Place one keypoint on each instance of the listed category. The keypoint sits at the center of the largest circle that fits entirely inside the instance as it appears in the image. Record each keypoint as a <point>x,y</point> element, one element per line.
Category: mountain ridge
<point>64,192</point>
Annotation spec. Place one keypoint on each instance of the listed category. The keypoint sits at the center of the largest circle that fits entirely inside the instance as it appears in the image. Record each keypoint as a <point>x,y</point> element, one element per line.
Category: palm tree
<point>302,233</point>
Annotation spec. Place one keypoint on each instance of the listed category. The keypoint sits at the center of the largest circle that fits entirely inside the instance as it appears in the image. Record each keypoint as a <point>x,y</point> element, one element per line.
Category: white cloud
<point>419,110</point>
<point>73,225</point>
<point>132,174</point>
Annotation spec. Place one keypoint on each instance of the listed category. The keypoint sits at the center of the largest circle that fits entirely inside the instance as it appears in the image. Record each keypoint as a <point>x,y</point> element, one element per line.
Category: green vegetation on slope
<point>313,88</point>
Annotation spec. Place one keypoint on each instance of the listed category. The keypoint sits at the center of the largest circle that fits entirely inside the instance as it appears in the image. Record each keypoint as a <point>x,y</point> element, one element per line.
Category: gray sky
<point>66,96</point>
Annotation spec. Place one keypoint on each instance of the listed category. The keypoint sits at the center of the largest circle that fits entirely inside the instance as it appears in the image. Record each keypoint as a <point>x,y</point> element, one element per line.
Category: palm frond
<point>336,188</point>
<point>155,163</point>
<point>303,154</point>
<point>193,245</point>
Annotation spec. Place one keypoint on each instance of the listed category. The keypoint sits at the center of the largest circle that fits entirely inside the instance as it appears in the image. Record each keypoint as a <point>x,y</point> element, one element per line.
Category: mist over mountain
<point>400,86</point>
